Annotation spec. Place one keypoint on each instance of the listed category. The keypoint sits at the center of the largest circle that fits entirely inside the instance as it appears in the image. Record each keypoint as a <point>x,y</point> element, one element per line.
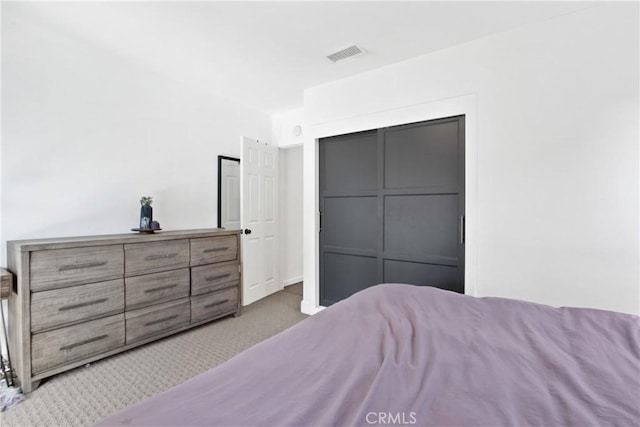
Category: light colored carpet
<point>85,395</point>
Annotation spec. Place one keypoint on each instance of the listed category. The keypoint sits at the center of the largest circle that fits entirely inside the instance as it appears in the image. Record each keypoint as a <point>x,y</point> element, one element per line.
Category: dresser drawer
<point>157,319</point>
<point>208,278</point>
<point>59,268</point>
<point>69,305</point>
<point>214,305</point>
<point>6,283</point>
<point>57,347</point>
<point>152,257</point>
<point>157,287</point>
<point>210,250</point>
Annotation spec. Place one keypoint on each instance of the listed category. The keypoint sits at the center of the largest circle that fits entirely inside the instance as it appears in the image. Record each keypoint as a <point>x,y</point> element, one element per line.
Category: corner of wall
<point>287,128</point>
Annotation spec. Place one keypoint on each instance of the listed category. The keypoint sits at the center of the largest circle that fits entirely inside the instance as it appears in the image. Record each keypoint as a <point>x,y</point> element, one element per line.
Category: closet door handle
<point>462,230</point>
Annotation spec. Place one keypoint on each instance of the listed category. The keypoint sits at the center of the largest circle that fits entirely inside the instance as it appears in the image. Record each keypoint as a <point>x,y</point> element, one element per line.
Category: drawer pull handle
<point>218,277</point>
<point>206,251</point>
<point>83,304</point>
<point>81,266</point>
<point>161,256</point>
<point>164,319</point>
<point>79,343</point>
<point>213,304</point>
<point>160,288</point>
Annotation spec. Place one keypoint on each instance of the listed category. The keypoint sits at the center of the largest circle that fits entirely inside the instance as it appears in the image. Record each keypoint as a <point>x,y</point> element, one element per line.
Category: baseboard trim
<point>309,308</point>
<point>290,282</point>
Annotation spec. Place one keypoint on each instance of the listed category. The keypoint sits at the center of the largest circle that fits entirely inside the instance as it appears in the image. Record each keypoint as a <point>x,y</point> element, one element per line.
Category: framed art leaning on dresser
<point>79,299</point>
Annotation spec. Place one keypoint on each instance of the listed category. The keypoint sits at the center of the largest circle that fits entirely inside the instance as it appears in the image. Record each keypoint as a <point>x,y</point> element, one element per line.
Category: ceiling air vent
<point>346,53</point>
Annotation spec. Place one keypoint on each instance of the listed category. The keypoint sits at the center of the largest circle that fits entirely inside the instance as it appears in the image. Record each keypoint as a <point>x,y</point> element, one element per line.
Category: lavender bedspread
<point>406,355</point>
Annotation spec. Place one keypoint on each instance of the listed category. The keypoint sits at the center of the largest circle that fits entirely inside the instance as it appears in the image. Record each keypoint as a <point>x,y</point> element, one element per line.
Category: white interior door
<point>259,205</point>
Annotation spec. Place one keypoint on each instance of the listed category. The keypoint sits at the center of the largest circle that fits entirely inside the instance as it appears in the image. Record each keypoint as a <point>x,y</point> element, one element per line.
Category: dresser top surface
<point>113,239</point>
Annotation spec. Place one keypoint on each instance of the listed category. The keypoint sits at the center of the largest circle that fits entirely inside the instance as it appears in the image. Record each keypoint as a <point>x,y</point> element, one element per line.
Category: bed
<point>398,354</point>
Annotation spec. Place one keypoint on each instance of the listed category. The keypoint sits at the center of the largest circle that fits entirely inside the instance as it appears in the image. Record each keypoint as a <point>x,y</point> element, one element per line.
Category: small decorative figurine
<point>146,212</point>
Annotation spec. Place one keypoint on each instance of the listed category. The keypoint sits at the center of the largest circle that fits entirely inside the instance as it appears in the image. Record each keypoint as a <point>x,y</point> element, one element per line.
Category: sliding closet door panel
<point>424,204</point>
<point>350,164</point>
<point>421,156</point>
<point>346,275</point>
<point>350,233</point>
<point>348,224</point>
<point>421,226</point>
<point>440,276</point>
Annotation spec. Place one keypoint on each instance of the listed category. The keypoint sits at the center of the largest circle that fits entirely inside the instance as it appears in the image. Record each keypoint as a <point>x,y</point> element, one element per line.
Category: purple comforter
<point>407,355</point>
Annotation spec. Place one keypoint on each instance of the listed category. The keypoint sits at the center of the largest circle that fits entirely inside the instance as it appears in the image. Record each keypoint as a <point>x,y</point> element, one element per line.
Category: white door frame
<point>462,105</point>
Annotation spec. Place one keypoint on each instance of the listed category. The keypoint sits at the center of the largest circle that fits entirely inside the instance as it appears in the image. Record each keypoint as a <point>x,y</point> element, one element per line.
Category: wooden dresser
<point>76,300</point>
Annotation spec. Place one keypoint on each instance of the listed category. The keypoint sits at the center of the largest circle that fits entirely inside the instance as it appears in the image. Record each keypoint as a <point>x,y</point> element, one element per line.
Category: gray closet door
<point>392,208</point>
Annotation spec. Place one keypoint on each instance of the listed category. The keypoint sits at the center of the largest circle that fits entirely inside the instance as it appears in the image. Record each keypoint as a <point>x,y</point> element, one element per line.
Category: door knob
<point>247,231</point>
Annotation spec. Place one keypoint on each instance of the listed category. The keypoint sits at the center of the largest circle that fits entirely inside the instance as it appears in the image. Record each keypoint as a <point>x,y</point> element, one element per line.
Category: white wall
<point>553,176</point>
<point>291,179</point>
<point>85,133</point>
<point>283,128</point>
<point>291,215</point>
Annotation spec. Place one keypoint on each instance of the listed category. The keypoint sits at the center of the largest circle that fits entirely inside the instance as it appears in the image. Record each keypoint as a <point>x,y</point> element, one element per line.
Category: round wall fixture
<point>297,130</point>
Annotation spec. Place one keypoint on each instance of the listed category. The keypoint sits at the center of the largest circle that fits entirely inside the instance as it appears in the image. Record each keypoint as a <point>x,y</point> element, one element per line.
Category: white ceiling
<point>263,54</point>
